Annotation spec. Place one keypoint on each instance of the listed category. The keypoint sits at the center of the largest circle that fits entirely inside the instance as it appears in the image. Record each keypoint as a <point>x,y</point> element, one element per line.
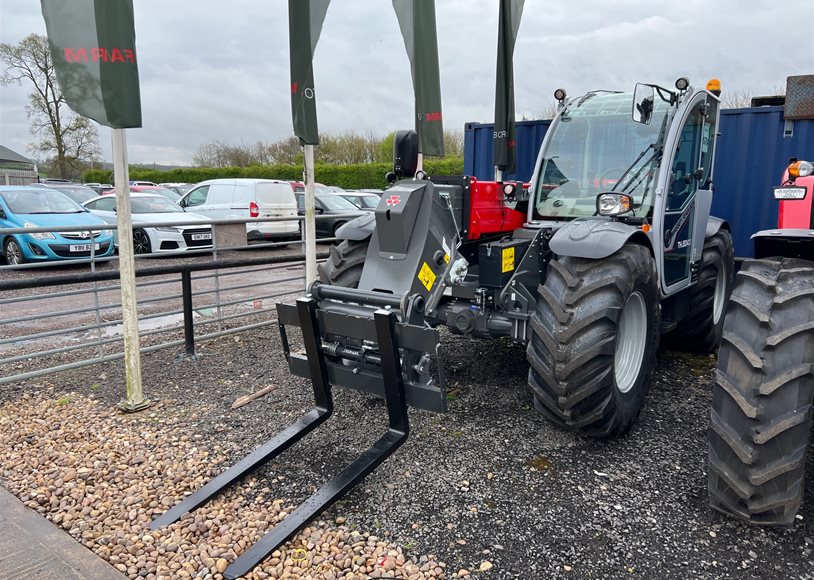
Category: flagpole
<point>419,165</point>
<point>127,276</point>
<point>498,174</point>
<point>310,220</point>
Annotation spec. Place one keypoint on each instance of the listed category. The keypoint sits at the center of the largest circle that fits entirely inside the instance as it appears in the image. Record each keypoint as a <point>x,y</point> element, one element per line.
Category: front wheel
<point>141,242</point>
<point>14,253</point>
<point>594,335</point>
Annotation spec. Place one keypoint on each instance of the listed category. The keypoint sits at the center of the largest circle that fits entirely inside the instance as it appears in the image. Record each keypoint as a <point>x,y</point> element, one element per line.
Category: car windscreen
<point>78,194</point>
<point>337,203</point>
<point>153,205</point>
<point>165,192</point>
<point>40,201</point>
<point>369,201</point>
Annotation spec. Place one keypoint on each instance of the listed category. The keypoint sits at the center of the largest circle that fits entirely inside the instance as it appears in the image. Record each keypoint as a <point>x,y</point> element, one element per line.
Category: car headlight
<point>38,235</point>
<point>104,233</point>
<point>171,229</point>
<point>613,203</point>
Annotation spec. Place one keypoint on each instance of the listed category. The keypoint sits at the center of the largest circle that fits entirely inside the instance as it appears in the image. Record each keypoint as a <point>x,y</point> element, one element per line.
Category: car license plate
<point>83,247</point>
<point>198,237</point>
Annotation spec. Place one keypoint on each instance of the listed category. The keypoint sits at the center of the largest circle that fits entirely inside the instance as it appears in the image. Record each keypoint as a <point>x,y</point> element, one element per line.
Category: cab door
<point>685,209</point>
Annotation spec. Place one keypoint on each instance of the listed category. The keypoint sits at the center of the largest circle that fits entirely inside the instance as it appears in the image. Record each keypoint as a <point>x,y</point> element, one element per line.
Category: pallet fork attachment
<point>385,322</point>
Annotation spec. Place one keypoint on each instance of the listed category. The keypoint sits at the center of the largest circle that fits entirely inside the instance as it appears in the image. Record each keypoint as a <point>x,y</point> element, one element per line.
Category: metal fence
<point>60,316</point>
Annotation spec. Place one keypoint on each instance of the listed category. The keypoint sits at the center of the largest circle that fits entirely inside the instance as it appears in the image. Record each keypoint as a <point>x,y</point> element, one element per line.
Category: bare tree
<point>736,99</point>
<point>71,139</point>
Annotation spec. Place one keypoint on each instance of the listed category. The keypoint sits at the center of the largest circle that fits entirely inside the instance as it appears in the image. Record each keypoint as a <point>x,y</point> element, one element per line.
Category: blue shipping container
<point>753,150</point>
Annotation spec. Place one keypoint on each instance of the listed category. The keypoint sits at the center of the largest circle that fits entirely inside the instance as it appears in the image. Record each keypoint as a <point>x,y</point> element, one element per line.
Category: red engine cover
<point>489,212</point>
<point>798,213</point>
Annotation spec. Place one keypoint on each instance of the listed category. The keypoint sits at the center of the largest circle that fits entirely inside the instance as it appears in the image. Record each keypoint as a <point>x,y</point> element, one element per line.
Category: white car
<point>150,208</point>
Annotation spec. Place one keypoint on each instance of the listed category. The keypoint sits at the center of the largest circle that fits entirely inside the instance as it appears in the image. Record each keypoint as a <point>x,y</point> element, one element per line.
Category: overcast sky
<point>219,70</point>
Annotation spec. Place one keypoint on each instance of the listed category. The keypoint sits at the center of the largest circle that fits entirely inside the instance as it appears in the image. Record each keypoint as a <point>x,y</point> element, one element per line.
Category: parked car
<point>151,208</point>
<point>179,188</point>
<point>79,193</point>
<point>362,200</point>
<point>142,183</point>
<point>330,204</point>
<point>247,198</point>
<point>156,190</point>
<point>42,207</point>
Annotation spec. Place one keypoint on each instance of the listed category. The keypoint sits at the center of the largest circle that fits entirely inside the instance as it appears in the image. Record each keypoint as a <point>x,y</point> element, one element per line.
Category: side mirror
<point>644,98</point>
<point>405,153</point>
<point>318,210</point>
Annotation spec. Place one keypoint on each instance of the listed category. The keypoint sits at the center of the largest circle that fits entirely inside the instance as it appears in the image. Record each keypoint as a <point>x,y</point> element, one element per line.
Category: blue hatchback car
<point>40,207</point>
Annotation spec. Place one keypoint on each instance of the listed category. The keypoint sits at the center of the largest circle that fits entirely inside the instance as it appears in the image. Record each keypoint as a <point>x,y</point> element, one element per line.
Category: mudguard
<point>593,238</point>
<point>713,225</point>
<point>357,229</point>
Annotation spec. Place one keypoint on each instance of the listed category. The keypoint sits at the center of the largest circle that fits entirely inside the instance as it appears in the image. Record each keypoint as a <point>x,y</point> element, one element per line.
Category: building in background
<point>16,169</point>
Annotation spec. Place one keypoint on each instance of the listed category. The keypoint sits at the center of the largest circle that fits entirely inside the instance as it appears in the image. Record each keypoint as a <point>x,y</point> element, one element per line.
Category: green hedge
<point>368,175</point>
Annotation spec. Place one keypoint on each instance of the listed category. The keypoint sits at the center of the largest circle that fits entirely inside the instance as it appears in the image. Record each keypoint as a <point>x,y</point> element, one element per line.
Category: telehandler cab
<point>610,247</point>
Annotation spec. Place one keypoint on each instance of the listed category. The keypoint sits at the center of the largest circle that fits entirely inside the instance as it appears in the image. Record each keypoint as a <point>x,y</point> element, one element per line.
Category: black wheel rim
<point>141,243</point>
<point>14,255</point>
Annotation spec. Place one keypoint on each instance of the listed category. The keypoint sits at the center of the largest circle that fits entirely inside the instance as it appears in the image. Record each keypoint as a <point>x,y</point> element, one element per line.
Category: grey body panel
<point>786,233</point>
<point>714,224</point>
<point>703,205</point>
<point>409,242</point>
<point>591,238</point>
<point>357,229</point>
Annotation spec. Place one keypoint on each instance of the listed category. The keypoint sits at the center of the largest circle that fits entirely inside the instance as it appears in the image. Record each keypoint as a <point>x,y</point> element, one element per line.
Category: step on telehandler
<point>610,247</point>
<point>762,400</point>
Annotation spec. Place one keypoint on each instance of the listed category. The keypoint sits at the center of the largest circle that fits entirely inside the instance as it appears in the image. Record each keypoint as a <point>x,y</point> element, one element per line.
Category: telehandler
<point>610,247</point>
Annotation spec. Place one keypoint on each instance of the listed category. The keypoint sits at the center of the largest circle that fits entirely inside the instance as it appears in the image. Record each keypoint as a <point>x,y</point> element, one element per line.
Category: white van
<point>247,198</point>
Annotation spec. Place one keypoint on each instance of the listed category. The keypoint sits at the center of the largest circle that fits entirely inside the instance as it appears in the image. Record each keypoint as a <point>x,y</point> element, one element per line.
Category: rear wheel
<point>141,242</point>
<point>14,253</point>
<point>700,331</point>
<point>593,341</point>
<point>762,398</point>
<point>344,265</point>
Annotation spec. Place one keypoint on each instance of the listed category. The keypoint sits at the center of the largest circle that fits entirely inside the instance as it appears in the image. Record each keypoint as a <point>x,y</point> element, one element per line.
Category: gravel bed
<point>489,488</point>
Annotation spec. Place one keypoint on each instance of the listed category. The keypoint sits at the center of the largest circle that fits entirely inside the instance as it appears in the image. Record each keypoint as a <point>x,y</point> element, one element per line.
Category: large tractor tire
<point>344,265</point>
<point>593,343</point>
<point>762,399</point>
<point>701,330</point>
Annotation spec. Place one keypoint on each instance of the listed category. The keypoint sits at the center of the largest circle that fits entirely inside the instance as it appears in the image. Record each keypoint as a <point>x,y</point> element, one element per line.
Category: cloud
<point>219,71</point>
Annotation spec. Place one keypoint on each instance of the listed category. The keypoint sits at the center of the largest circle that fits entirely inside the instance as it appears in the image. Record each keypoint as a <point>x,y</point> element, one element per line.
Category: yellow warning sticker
<point>446,258</point>
<point>507,259</point>
<point>426,276</point>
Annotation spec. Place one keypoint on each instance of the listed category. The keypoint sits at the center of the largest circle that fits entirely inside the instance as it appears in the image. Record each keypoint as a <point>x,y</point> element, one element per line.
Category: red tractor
<point>762,399</point>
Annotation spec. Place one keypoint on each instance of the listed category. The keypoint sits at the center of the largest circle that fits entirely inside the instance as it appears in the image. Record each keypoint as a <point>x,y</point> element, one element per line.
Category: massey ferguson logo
<point>430,116</point>
<point>100,54</point>
<point>393,200</point>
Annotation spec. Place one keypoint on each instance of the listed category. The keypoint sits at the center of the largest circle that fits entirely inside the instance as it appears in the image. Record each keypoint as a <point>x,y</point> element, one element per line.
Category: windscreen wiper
<point>632,165</point>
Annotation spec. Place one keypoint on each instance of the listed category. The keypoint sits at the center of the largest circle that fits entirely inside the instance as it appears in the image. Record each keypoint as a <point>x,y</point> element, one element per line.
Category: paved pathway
<point>31,547</point>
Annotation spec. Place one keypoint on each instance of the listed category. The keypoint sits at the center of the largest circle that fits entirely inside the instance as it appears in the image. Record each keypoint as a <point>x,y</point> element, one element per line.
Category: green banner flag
<point>504,137</point>
<point>305,18</point>
<point>93,47</point>
<point>417,22</point>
